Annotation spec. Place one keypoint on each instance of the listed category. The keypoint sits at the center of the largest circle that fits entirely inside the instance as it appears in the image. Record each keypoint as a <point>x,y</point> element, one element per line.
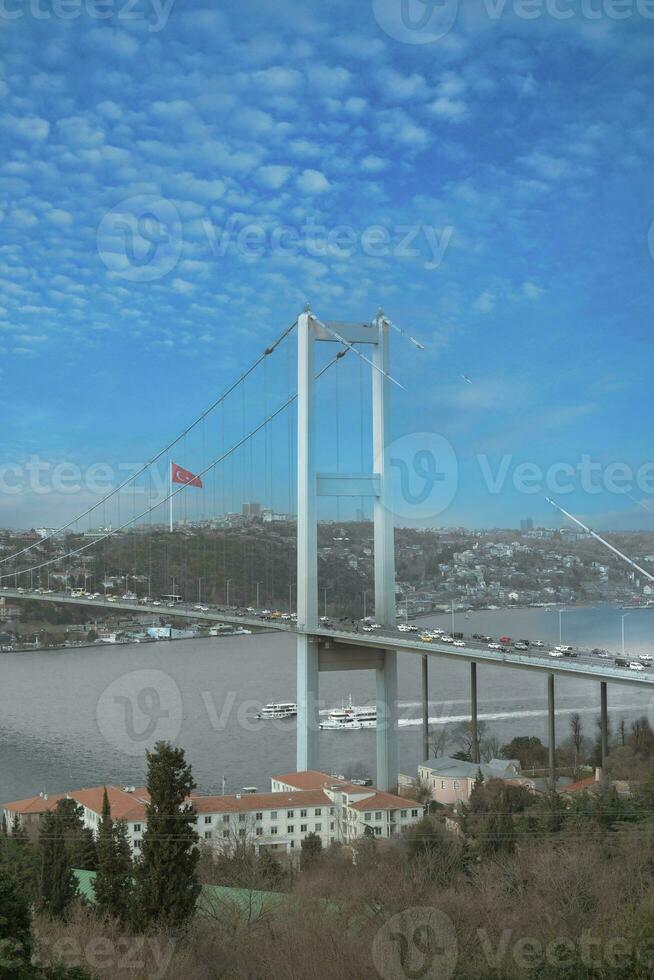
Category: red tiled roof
<point>311,779</point>
<point>35,804</point>
<point>123,805</point>
<point>579,786</point>
<point>384,801</point>
<point>260,801</point>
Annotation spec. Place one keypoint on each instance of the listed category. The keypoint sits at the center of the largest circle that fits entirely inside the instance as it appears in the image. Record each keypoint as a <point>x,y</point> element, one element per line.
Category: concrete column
<point>387,747</point>
<point>551,728</point>
<point>604,723</point>
<point>307,551</point>
<point>473,713</point>
<point>307,703</point>
<point>383,510</point>
<point>426,754</point>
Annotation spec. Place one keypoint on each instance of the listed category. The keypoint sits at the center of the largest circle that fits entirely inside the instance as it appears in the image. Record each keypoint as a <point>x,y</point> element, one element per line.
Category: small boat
<point>278,709</point>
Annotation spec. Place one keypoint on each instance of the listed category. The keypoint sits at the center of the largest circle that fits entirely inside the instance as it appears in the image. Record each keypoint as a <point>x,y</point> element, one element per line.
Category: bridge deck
<point>584,666</point>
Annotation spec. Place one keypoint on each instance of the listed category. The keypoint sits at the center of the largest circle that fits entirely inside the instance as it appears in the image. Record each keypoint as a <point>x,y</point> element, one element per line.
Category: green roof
<point>253,904</point>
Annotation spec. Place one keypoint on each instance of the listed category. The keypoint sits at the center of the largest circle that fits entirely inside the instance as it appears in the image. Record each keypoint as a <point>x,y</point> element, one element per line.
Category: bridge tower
<point>316,653</point>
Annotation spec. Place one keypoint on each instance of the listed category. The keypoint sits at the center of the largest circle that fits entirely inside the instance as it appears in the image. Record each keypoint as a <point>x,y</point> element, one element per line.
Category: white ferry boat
<point>350,717</point>
<point>278,709</point>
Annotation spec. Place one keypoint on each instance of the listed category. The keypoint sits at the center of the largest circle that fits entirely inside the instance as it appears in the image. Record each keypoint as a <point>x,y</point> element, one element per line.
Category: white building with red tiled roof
<point>299,804</point>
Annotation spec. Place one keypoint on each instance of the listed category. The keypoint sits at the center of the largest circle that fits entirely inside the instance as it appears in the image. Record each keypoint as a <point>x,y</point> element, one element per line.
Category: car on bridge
<point>494,646</point>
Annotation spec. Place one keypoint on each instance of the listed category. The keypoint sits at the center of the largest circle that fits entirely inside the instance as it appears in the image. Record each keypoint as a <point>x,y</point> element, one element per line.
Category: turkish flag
<point>180,475</point>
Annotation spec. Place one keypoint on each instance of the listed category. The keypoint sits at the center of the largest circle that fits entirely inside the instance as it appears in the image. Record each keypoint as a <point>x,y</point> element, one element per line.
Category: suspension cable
<point>173,493</point>
<point>169,446</point>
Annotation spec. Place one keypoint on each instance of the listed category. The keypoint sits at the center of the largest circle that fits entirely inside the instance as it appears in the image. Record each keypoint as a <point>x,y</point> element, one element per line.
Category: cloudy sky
<point>177,180</point>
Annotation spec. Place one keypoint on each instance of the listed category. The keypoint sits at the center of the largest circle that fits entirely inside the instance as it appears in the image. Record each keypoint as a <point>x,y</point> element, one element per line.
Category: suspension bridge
<point>300,442</point>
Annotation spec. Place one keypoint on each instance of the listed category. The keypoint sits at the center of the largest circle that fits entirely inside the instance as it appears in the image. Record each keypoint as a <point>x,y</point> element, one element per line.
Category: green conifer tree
<point>166,879</point>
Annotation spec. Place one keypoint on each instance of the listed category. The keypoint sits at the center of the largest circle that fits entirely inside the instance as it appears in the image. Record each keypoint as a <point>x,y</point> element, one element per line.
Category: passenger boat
<point>350,717</point>
<point>278,709</point>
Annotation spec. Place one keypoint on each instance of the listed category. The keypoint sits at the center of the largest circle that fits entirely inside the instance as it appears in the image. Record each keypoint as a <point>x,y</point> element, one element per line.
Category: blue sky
<point>507,162</point>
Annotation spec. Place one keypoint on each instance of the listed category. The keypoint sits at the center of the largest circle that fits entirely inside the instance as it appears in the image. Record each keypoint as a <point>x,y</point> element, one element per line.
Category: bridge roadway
<point>584,665</point>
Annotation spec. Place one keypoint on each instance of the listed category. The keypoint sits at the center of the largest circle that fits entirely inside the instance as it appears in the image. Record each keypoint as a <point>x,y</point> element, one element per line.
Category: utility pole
<point>623,619</point>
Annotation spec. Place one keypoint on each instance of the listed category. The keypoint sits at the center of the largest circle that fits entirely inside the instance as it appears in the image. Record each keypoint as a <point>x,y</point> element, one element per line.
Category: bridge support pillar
<point>551,725</point>
<point>307,703</point>
<point>473,713</point>
<point>604,723</point>
<point>425,708</point>
<point>387,754</point>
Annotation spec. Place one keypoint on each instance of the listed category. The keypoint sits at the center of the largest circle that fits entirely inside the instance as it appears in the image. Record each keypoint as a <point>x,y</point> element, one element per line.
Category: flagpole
<point>170,498</point>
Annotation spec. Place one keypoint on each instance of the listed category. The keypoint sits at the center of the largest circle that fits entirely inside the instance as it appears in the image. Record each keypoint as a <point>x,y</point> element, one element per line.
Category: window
<point>303,813</point>
<point>442,784</point>
<point>225,833</point>
<point>207,819</point>
<point>258,816</point>
<point>290,814</point>
<point>273,830</point>
<point>303,828</point>
<point>137,845</point>
<point>241,818</point>
<point>241,833</point>
<point>290,829</point>
<point>317,811</point>
<point>259,831</point>
<point>332,825</point>
<point>378,815</point>
<point>331,811</point>
<point>292,843</point>
<point>273,814</point>
<point>137,828</point>
<point>208,834</point>
<point>367,817</point>
<point>226,818</point>
<point>378,831</point>
<point>403,813</point>
<point>414,813</point>
<point>456,784</point>
<point>318,827</point>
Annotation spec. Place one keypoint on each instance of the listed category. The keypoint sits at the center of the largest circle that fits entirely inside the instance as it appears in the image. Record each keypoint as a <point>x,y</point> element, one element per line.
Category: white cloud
<point>373,164</point>
<point>396,124</point>
<point>113,42</point>
<point>532,291</point>
<point>312,182</point>
<point>399,86</point>
<point>485,303</point>
<point>453,109</point>
<point>62,219</point>
<point>278,79</point>
<point>31,128</point>
<point>273,176</point>
<point>547,166</point>
<point>329,80</point>
<point>79,131</point>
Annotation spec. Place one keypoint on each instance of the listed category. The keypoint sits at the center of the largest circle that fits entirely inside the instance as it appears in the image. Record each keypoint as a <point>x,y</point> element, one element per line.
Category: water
<point>82,717</point>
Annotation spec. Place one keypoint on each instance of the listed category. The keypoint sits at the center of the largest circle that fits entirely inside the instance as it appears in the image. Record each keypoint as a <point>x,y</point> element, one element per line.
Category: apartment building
<point>298,804</point>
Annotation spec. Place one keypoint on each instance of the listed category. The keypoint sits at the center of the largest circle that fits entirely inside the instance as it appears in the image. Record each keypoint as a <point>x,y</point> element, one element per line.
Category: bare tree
<point>577,736</point>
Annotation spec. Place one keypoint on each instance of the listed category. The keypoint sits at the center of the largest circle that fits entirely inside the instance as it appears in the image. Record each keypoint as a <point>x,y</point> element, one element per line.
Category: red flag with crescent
<point>180,475</point>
